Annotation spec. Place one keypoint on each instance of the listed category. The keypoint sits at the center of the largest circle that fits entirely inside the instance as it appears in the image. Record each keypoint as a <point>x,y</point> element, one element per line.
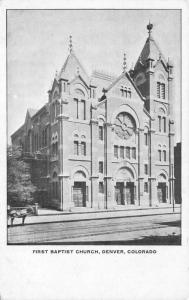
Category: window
<point>159,120</point>
<point>163,90</point>
<point>164,155</point>
<point>83,117</point>
<point>146,169</point>
<point>101,187</point>
<point>101,135</point>
<point>129,93</point>
<point>146,187</point>
<point>64,87</point>
<point>159,155</point>
<point>134,153</point>
<point>100,166</point>
<point>128,155</point>
<point>125,92</point>
<point>158,89</point>
<point>146,138</point>
<point>83,148</point>
<point>76,148</point>
<point>122,152</point>
<point>76,108</point>
<point>164,124</point>
<point>116,151</point>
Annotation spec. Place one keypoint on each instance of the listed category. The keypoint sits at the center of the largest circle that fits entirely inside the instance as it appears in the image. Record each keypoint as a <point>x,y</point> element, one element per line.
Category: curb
<point>92,219</point>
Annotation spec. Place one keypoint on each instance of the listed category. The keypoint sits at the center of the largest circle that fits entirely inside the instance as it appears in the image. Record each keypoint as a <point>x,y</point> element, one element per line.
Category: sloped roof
<point>150,50</point>
<point>130,79</point>
<point>71,67</point>
<point>32,111</point>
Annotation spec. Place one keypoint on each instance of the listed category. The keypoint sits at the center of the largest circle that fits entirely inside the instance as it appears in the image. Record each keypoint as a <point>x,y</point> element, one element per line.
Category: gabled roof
<point>71,67</point>
<point>150,50</point>
<point>130,79</point>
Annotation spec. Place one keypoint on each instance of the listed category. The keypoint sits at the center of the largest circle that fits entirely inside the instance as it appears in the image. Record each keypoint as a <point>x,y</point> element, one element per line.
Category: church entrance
<point>130,193</point>
<point>79,194</point>
<point>124,193</point>
<point>119,195</point>
<point>161,191</point>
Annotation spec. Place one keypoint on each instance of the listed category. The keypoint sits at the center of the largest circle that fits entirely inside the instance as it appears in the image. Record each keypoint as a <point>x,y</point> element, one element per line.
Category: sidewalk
<point>49,216</point>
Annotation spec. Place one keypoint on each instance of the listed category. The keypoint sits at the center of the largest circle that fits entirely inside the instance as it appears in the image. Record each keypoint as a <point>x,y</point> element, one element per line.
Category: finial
<point>70,44</point>
<point>124,63</point>
<point>159,55</point>
<point>77,70</point>
<point>56,74</point>
<point>149,28</point>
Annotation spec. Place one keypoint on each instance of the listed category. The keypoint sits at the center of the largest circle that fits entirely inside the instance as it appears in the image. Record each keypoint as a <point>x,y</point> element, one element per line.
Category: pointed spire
<point>70,44</point>
<point>149,28</point>
<point>124,63</point>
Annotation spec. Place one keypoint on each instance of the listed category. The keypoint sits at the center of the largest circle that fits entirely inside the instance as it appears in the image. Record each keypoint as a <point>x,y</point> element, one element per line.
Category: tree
<point>20,190</point>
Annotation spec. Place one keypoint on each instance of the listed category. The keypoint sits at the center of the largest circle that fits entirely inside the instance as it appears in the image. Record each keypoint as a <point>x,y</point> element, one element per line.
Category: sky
<point>37,46</point>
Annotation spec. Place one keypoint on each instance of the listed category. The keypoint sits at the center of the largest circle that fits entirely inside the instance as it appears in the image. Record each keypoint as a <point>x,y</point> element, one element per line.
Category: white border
<point>162,276</point>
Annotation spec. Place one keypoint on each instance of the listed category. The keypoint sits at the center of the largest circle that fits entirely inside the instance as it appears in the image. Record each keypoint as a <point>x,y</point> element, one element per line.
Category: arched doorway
<point>162,188</point>
<point>125,189</point>
<point>80,190</point>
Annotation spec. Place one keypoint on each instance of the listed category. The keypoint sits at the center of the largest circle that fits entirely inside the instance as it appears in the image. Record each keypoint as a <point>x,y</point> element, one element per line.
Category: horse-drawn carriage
<point>20,212</point>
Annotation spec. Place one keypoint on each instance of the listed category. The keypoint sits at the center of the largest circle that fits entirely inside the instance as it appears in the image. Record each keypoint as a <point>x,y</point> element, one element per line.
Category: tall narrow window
<point>100,132</point>
<point>164,155</point>
<point>83,117</point>
<point>146,187</point>
<point>163,90</point>
<point>101,187</point>
<point>134,153</point>
<point>76,148</point>
<point>83,148</point>
<point>164,124</point>
<point>159,155</point>
<point>129,93</point>
<point>146,169</point>
<point>159,120</point>
<point>146,138</point>
<point>122,152</point>
<point>116,151</point>
<point>100,166</point>
<point>158,89</point>
<point>128,155</point>
<point>76,108</point>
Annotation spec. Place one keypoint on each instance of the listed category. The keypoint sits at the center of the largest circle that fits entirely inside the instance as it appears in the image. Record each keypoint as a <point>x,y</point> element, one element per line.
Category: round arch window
<point>125,125</point>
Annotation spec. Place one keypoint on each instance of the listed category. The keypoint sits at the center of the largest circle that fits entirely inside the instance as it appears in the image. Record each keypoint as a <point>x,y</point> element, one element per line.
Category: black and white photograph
<point>94,150</point>
<point>94,127</point>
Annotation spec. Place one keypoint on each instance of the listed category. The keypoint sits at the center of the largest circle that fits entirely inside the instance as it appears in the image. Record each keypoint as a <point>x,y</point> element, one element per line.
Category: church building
<point>103,142</point>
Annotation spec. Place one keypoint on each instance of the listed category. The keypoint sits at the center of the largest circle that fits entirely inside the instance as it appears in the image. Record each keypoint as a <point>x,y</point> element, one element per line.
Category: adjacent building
<point>105,142</point>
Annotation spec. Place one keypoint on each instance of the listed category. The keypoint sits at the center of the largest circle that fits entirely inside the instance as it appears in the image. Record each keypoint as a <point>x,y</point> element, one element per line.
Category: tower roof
<point>151,50</point>
<point>72,66</point>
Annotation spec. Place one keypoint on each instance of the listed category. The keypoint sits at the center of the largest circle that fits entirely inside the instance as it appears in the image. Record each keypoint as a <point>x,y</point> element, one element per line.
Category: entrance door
<point>161,191</point>
<point>79,194</point>
<point>130,193</point>
<point>119,196</point>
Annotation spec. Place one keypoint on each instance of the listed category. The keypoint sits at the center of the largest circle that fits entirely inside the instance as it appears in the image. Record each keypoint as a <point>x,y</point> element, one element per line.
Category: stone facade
<point>105,142</point>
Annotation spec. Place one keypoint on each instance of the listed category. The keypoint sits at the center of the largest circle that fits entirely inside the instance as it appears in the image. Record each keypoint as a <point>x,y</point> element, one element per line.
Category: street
<point>152,229</point>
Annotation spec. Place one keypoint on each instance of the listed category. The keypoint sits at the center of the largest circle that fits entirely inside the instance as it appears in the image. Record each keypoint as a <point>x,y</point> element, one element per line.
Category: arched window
<point>162,121</point>
<point>161,87</point>
<point>146,136</point>
<point>83,148</point>
<point>164,155</point>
